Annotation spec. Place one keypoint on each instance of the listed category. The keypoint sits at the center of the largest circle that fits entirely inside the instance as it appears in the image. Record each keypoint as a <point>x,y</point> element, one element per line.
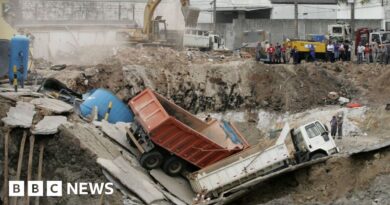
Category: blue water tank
<point>18,56</point>
<point>101,98</point>
<point>4,57</point>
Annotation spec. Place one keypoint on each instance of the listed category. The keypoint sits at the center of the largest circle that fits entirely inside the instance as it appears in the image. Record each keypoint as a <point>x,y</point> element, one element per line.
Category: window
<point>299,141</point>
<point>375,38</point>
<point>386,38</point>
<point>314,130</point>
<point>337,30</point>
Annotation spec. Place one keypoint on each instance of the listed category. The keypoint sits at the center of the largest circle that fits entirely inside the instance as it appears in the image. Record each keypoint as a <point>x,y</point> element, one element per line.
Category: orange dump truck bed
<point>181,133</point>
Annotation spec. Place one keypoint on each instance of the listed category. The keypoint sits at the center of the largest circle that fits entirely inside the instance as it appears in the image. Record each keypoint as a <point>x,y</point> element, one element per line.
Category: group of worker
<point>336,126</point>
<point>338,51</point>
<point>376,53</point>
<point>275,54</point>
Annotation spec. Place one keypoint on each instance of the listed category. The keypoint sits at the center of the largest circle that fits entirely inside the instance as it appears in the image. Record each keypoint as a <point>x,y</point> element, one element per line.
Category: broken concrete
<point>48,125</point>
<point>52,105</point>
<point>117,133</point>
<point>136,181</point>
<point>178,186</point>
<point>20,116</point>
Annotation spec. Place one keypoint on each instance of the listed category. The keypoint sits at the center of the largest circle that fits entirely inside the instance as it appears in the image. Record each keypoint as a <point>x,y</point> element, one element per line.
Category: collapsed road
<point>85,149</point>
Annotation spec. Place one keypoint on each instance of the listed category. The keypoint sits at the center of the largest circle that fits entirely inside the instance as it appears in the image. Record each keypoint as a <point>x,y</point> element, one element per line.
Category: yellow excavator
<point>6,31</point>
<point>154,30</point>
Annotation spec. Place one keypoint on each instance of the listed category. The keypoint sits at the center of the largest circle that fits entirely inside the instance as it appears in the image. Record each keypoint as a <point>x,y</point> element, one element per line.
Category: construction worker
<point>278,53</point>
<point>283,52</point>
<point>330,52</point>
<point>271,53</point>
<point>336,47</point>
<point>258,50</point>
<point>381,54</point>
<point>340,125</point>
<point>375,51</point>
<point>360,53</point>
<point>333,126</point>
<point>312,51</point>
<point>367,53</point>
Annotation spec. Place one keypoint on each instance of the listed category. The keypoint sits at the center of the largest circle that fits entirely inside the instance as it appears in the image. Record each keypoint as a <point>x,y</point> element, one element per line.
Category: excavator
<point>154,30</point>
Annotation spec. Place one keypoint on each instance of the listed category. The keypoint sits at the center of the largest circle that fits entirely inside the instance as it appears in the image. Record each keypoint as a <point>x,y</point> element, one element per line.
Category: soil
<point>215,82</point>
<point>334,182</point>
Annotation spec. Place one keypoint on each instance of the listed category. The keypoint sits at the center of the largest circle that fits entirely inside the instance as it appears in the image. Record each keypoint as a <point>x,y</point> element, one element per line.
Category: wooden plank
<point>29,168</point>
<point>137,144</point>
<point>20,162</point>
<point>6,142</point>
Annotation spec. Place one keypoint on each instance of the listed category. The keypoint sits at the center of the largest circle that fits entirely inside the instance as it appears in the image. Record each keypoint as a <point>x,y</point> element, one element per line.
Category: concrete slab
<point>20,116</point>
<point>48,125</point>
<point>133,179</point>
<point>178,186</point>
<point>117,132</point>
<point>52,105</point>
<point>370,148</point>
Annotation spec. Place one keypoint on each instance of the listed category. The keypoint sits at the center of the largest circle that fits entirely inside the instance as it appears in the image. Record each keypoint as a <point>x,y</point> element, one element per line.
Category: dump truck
<point>168,135</point>
<point>310,141</point>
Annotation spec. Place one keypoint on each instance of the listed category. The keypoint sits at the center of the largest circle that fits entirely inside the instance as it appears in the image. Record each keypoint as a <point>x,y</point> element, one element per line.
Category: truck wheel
<point>317,156</point>
<point>173,166</point>
<point>151,160</point>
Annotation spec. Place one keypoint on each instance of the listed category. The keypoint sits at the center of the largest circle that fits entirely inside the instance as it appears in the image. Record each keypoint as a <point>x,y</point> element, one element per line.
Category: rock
<point>52,105</point>
<point>20,116</point>
<point>49,125</point>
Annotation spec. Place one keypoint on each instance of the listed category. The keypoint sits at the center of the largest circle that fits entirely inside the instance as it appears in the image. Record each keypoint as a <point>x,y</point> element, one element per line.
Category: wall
<point>279,29</point>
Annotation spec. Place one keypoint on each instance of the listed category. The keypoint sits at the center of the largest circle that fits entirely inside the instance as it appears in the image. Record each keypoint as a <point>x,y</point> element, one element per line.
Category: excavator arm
<point>190,14</point>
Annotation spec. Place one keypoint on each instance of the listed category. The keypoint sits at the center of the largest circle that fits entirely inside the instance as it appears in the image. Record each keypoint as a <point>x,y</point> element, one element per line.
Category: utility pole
<point>296,18</point>
<point>352,19</point>
<point>215,16</point>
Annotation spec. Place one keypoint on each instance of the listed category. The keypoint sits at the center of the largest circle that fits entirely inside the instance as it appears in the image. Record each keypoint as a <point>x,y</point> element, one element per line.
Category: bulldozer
<point>154,31</point>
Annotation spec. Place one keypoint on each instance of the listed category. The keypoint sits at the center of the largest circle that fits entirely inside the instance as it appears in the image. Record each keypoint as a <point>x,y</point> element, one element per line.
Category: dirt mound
<point>210,86</point>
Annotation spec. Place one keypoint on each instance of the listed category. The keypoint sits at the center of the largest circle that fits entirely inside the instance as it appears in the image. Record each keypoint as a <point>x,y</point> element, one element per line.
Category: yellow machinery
<point>6,31</point>
<point>151,31</point>
<point>302,47</point>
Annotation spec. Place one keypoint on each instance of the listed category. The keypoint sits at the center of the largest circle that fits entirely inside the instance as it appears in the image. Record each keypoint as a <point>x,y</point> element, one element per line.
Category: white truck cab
<point>312,141</point>
<point>202,40</point>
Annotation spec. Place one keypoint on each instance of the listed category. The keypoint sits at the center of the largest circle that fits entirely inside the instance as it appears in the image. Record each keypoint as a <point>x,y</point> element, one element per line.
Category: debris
<point>387,107</point>
<point>136,181</point>
<point>52,105</point>
<point>117,132</point>
<point>354,105</point>
<point>333,95</point>
<point>343,100</point>
<point>48,125</point>
<point>58,67</point>
<point>178,186</point>
<point>20,116</point>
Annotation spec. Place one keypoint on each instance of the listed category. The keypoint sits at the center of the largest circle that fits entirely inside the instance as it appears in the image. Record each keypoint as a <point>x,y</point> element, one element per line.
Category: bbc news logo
<point>54,188</point>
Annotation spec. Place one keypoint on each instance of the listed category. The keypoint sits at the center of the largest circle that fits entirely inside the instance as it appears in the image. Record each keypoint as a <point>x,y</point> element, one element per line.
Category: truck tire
<point>317,156</point>
<point>173,166</point>
<point>151,160</point>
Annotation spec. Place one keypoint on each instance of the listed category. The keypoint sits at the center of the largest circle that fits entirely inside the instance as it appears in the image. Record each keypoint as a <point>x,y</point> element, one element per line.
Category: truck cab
<point>339,32</point>
<point>312,141</point>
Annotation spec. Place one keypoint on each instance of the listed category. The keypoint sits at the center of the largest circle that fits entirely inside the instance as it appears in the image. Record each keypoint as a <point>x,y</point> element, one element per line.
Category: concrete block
<point>20,116</point>
<point>48,125</point>
<point>52,105</point>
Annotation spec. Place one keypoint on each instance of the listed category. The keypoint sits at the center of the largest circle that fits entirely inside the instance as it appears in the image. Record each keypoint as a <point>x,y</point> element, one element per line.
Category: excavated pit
<point>223,85</point>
